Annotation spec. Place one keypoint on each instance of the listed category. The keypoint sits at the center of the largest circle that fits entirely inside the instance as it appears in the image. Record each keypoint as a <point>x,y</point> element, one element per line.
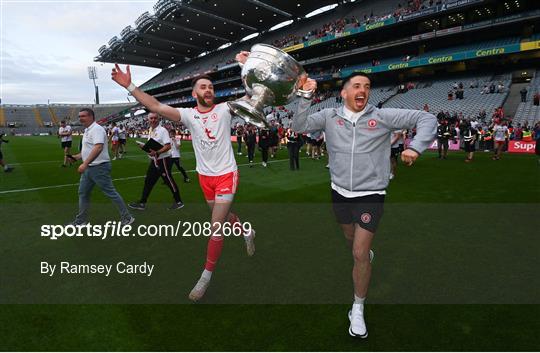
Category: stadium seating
<point>435,95</point>
<point>43,118</point>
<point>225,57</point>
<point>528,113</point>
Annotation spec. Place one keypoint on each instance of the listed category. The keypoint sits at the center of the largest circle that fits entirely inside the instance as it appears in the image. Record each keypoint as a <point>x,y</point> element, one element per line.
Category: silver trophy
<point>270,77</point>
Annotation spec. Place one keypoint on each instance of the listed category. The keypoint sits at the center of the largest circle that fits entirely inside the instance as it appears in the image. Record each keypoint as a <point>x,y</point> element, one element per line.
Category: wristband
<point>304,94</point>
<point>131,87</point>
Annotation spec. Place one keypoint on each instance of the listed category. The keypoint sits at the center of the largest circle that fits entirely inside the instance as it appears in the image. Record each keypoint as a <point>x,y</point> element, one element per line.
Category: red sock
<point>213,252</point>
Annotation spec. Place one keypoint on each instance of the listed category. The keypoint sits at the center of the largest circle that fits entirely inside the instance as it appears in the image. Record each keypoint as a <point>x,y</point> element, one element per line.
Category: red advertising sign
<point>521,146</point>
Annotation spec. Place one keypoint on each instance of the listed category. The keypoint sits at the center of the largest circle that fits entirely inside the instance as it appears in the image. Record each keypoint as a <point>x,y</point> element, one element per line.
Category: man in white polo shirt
<point>160,166</point>
<point>210,127</point>
<point>96,169</point>
<point>64,133</point>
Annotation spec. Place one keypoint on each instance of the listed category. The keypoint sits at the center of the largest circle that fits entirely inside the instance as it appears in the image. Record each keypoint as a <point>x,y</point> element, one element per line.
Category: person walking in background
<point>7,168</point>
<point>96,169</point>
<point>264,145</point>
<point>293,147</point>
<point>175,156</point>
<point>250,137</point>
<point>64,133</point>
<point>239,135</point>
<point>160,165</point>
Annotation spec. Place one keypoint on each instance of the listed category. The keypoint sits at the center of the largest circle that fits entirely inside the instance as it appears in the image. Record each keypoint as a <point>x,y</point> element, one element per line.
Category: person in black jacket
<point>264,144</point>
<point>6,167</point>
<point>250,138</point>
<point>470,135</point>
<point>444,134</point>
<point>293,146</point>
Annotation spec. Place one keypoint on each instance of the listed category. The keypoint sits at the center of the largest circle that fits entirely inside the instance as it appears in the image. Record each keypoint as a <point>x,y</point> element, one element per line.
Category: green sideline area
<point>456,265</point>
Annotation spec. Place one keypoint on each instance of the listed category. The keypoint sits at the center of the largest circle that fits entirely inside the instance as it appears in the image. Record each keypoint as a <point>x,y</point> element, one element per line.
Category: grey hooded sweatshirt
<point>359,153</point>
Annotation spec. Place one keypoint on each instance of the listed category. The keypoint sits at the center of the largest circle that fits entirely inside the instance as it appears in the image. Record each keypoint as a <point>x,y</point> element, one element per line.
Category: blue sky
<point>46,47</point>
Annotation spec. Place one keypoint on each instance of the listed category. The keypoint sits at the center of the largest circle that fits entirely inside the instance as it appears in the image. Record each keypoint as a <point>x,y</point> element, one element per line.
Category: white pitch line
<point>117,179</point>
<point>59,161</point>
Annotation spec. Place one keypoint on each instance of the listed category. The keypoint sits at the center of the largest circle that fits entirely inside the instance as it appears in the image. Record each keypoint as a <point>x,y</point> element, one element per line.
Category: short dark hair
<point>89,111</point>
<point>63,122</point>
<point>353,75</point>
<point>201,77</point>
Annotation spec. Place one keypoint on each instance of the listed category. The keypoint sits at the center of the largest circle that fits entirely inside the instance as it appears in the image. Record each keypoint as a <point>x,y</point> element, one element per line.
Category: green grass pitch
<point>456,264</point>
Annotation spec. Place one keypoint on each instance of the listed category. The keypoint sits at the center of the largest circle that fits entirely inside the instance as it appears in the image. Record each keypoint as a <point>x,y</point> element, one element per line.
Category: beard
<point>202,101</point>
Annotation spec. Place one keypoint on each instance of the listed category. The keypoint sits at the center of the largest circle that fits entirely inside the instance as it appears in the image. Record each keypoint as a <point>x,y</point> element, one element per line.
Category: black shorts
<point>469,147</point>
<point>1,156</point>
<point>122,141</point>
<point>66,144</point>
<point>366,211</point>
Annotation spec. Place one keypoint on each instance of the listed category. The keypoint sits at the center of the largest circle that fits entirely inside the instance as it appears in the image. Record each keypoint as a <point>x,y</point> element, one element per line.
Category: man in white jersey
<point>159,166</point>
<point>114,137</point>
<point>96,169</point>
<point>64,133</point>
<point>210,127</point>
<point>500,132</point>
<point>122,139</point>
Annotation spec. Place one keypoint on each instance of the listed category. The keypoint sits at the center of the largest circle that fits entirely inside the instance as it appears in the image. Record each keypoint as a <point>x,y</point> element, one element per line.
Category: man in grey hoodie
<point>358,144</point>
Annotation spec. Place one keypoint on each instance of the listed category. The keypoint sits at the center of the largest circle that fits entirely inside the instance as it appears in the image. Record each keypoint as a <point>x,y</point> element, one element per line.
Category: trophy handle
<point>246,111</point>
<point>251,110</point>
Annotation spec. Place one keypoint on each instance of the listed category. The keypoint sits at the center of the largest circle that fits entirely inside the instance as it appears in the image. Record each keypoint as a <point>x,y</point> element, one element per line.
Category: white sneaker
<point>250,243</point>
<point>371,255</point>
<point>391,176</point>
<point>357,328</point>
<point>114,159</point>
<point>264,164</point>
<point>200,288</point>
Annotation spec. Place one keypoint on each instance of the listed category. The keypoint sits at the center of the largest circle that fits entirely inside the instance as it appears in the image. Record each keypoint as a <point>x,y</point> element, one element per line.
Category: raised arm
<point>302,122</point>
<point>152,104</point>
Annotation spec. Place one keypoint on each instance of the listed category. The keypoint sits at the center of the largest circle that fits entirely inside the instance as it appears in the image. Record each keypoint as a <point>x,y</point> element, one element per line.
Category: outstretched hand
<point>120,77</point>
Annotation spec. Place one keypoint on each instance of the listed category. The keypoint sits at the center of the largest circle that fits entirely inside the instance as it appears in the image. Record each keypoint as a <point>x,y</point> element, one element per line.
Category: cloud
<point>47,47</point>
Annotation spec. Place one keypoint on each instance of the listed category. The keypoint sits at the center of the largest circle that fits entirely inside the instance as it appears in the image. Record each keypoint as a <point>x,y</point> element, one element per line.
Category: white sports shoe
<point>200,288</point>
<point>250,243</point>
<point>357,327</point>
<point>371,255</point>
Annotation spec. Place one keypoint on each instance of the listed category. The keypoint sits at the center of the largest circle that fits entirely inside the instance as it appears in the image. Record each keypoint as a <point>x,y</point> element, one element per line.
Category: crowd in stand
<point>340,25</point>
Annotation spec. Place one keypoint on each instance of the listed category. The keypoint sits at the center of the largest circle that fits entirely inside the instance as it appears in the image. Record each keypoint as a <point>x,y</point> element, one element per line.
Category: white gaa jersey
<point>175,149</point>
<point>211,135</point>
<point>499,132</point>
<point>161,135</point>
<point>63,130</point>
<point>115,131</point>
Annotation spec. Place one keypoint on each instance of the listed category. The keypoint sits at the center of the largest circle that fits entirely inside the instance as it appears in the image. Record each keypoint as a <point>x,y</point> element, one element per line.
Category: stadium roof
<point>179,30</point>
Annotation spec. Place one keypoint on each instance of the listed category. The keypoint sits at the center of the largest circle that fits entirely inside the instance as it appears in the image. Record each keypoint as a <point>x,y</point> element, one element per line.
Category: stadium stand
<point>435,94</point>
<point>528,113</point>
<point>43,118</point>
<point>2,117</point>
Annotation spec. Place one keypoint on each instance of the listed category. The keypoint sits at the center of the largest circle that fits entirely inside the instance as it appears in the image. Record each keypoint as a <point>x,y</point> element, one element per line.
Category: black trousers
<point>264,151</point>
<point>176,162</point>
<point>251,151</point>
<point>239,140</point>
<point>442,144</point>
<point>156,169</point>
<point>294,155</point>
